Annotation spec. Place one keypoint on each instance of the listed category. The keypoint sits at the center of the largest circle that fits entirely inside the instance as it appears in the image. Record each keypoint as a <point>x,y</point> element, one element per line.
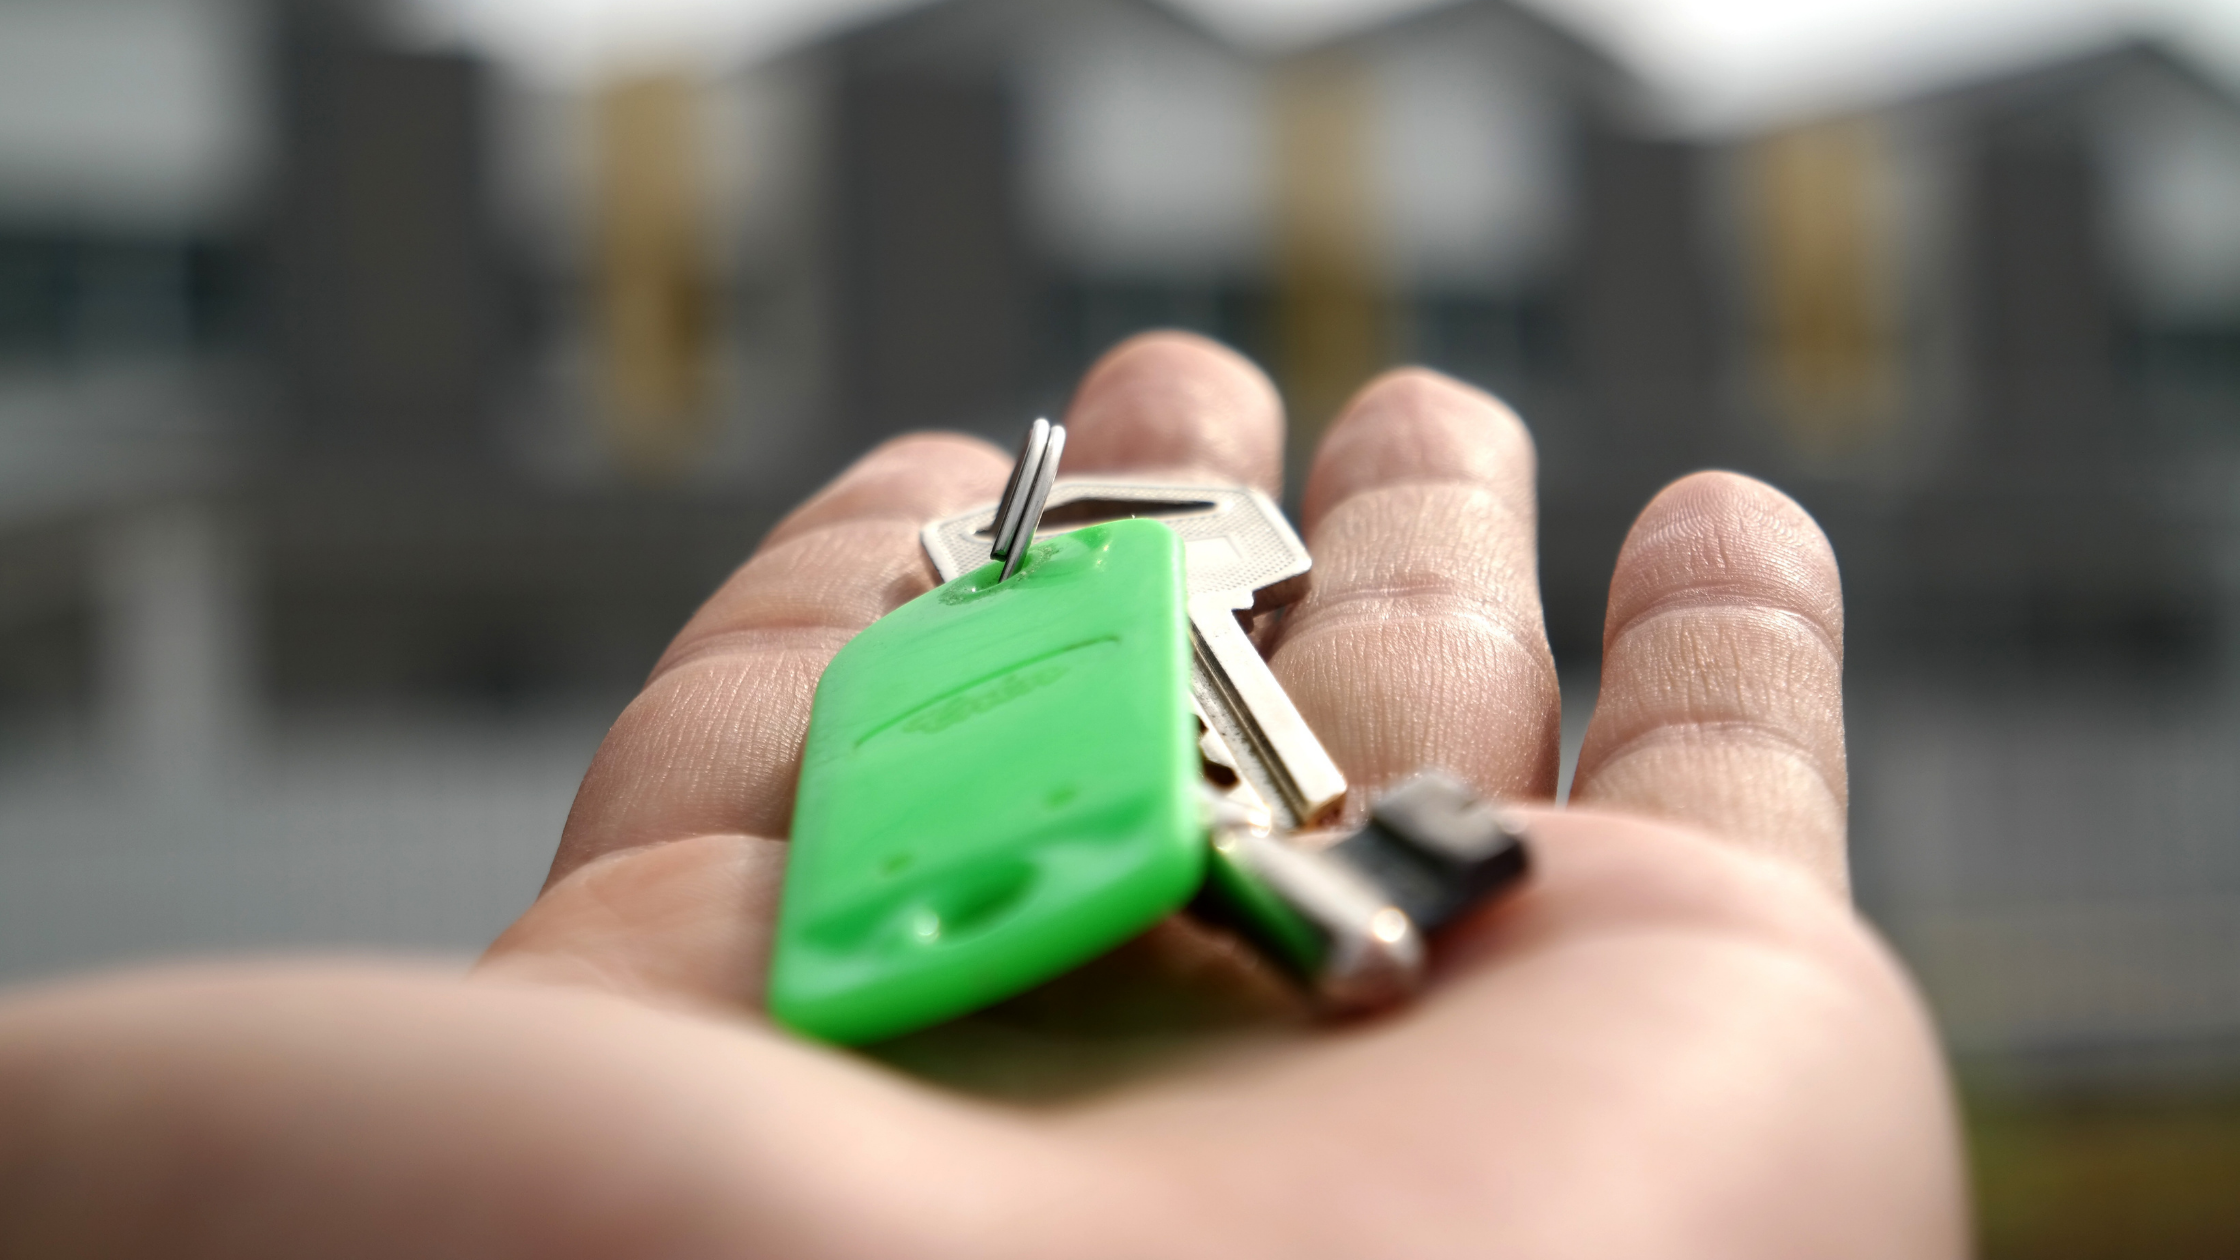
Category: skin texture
<point>1677,1041</point>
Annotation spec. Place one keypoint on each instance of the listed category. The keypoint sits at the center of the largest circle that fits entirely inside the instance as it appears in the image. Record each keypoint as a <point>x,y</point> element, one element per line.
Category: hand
<point>1678,1040</point>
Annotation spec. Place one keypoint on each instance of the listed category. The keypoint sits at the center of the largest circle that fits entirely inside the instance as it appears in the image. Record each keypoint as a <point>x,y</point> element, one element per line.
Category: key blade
<point>1275,751</point>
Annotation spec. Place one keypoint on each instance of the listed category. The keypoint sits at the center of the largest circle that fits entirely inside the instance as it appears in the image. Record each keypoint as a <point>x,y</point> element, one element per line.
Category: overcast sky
<point>1725,62</point>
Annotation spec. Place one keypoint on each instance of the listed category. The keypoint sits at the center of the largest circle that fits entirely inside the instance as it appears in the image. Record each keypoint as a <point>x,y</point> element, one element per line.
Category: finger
<point>1420,642</point>
<point>713,743</point>
<point>711,750</point>
<point>1722,674</point>
<point>1179,407</point>
<point>687,921</point>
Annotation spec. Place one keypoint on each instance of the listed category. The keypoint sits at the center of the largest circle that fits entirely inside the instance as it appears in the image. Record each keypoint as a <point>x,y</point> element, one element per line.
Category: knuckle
<point>1461,540</point>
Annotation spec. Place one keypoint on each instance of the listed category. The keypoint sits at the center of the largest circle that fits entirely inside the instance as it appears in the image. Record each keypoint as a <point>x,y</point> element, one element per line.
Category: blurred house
<point>369,418</point>
<point>2012,307</point>
<point>309,613</point>
<point>1009,188</point>
<point>1004,189</point>
<point>1993,336</point>
<point>1000,189</point>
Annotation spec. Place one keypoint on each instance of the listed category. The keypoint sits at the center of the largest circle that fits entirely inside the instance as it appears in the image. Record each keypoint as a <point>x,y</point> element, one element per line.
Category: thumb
<point>687,920</point>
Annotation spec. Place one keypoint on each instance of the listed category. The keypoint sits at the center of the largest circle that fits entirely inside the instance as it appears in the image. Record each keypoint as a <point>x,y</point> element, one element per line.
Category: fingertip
<point>1421,640</point>
<point>915,476</point>
<point>1721,702</point>
<point>1719,536</point>
<point>1719,493</point>
<point>1177,402</point>
<point>1416,425</point>
<point>936,452</point>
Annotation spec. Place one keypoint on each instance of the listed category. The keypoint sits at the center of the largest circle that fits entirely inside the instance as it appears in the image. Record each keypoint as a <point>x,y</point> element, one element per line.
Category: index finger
<point>667,875</point>
<point>1420,643</point>
<point>713,743</point>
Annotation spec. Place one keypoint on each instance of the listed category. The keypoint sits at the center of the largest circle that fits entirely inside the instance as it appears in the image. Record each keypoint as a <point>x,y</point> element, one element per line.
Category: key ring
<point>1019,512</point>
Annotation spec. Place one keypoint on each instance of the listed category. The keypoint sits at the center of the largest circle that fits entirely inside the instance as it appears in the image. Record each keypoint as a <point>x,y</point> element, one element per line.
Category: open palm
<point>1678,1040</point>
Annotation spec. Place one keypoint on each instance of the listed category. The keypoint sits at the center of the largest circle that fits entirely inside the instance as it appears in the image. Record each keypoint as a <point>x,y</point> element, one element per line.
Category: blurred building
<point>1004,189</point>
<point>312,603</point>
<point>2006,368</point>
<point>1034,182</point>
<point>369,418</point>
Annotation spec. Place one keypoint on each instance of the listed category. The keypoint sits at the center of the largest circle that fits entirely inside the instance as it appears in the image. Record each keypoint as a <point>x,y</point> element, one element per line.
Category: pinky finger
<point>1722,675</point>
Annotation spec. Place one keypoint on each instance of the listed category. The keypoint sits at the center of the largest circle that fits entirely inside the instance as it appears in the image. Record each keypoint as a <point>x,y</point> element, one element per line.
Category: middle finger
<point>1421,642</point>
<point>1175,406</point>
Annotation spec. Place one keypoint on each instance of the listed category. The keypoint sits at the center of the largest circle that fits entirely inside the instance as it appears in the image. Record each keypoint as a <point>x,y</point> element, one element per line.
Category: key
<point>1240,554</point>
<point>998,784</point>
<point>1348,913</point>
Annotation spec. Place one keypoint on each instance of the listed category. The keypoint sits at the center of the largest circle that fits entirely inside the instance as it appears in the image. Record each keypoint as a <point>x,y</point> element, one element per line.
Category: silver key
<point>1349,912</point>
<point>1239,554</point>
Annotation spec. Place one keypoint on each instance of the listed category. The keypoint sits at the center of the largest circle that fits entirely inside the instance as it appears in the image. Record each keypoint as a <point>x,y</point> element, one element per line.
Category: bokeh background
<point>381,384</point>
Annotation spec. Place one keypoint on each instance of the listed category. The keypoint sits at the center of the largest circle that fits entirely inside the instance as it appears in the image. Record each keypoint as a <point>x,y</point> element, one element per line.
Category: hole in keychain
<point>934,912</point>
<point>1082,513</point>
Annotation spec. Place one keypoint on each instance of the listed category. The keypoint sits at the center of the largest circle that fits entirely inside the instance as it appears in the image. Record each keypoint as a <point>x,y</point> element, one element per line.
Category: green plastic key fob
<point>999,784</point>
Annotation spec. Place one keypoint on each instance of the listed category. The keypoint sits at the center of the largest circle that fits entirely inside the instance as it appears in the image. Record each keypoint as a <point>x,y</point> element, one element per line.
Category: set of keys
<point>1074,737</point>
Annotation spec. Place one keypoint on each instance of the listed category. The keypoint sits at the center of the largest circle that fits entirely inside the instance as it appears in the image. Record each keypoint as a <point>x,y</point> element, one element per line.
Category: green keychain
<point>999,781</point>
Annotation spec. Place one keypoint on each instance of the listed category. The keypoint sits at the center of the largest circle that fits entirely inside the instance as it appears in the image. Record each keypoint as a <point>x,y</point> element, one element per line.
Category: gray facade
<point>1990,337</point>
